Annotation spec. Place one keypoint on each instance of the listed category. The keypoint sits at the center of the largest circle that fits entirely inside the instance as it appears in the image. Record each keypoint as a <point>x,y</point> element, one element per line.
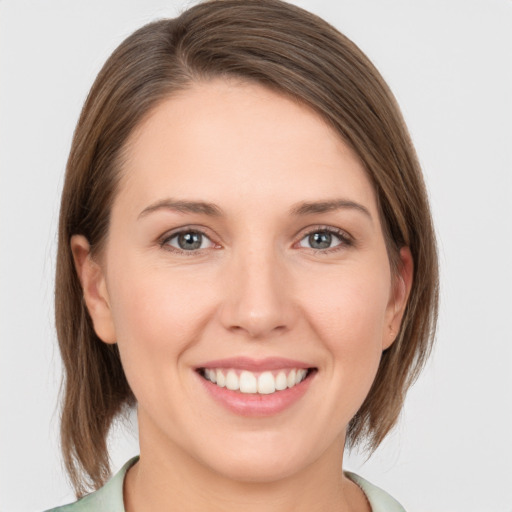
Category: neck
<point>170,479</point>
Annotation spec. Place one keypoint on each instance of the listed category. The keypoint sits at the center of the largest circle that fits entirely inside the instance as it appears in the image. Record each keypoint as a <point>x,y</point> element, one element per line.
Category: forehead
<point>218,138</point>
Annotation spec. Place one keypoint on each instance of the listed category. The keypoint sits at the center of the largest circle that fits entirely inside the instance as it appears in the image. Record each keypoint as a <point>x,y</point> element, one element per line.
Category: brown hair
<point>291,51</point>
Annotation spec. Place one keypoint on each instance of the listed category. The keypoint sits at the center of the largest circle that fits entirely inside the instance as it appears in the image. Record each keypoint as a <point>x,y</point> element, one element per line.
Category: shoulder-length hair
<point>291,51</point>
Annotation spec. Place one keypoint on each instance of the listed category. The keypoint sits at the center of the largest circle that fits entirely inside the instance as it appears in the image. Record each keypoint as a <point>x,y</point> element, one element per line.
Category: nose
<point>258,295</point>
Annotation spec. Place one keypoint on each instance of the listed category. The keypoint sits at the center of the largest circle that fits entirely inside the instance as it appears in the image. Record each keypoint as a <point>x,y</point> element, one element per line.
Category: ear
<point>94,289</point>
<point>400,291</point>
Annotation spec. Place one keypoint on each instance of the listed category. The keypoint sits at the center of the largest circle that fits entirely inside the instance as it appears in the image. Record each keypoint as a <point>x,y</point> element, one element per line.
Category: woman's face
<point>245,247</point>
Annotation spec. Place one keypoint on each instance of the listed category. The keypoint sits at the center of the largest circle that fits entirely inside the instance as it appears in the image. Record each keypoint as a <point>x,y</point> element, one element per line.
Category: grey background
<point>449,62</point>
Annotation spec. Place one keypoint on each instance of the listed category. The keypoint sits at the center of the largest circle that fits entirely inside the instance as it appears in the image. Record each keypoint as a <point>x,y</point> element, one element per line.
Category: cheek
<point>154,300</point>
<point>346,306</point>
<point>348,313</point>
<point>157,314</point>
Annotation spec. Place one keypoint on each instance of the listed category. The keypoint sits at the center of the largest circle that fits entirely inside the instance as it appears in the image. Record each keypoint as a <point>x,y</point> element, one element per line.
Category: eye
<point>189,240</point>
<point>322,239</point>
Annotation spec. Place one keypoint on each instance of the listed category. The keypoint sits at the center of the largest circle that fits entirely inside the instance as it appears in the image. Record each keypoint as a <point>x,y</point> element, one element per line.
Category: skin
<point>257,288</point>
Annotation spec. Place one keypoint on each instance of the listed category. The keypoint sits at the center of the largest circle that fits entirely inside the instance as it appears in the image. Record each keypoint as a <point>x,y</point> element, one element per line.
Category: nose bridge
<point>257,299</point>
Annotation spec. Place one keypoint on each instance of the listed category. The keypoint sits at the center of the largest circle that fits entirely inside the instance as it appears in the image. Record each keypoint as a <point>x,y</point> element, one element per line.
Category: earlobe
<point>399,296</point>
<point>94,289</point>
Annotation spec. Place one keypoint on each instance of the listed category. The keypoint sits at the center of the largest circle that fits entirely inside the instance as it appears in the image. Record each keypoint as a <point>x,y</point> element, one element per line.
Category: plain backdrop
<point>449,62</point>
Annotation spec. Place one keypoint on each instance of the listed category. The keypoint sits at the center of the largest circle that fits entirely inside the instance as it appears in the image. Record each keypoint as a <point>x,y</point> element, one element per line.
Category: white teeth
<point>221,380</point>
<point>232,381</point>
<point>248,382</point>
<point>300,375</point>
<point>265,383</point>
<point>291,379</point>
<point>211,375</point>
<point>281,381</point>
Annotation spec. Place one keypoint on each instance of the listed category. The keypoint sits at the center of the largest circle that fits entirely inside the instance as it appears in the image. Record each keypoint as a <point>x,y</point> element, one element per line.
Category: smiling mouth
<point>261,383</point>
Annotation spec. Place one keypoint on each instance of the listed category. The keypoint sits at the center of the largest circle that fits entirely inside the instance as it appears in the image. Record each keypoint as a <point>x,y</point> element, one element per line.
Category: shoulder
<point>380,501</point>
<point>107,499</point>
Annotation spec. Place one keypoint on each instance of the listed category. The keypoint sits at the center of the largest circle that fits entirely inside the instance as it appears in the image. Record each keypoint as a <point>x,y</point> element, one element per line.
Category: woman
<point>246,253</point>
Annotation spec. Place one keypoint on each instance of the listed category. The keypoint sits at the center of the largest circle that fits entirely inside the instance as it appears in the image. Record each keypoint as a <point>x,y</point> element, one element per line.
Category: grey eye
<point>189,241</point>
<point>322,239</point>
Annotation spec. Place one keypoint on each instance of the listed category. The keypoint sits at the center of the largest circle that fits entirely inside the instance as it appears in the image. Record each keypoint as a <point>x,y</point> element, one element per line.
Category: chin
<point>246,470</point>
<point>257,461</point>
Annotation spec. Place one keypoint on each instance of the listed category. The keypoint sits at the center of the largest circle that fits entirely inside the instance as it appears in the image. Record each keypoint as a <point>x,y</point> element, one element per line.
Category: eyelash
<point>165,241</point>
<point>345,240</point>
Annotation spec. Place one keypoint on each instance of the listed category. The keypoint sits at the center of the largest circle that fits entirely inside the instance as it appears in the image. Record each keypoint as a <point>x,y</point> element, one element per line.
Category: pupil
<point>189,241</point>
<point>320,240</point>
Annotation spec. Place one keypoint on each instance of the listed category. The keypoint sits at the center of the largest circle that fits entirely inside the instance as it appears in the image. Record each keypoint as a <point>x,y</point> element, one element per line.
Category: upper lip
<point>255,365</point>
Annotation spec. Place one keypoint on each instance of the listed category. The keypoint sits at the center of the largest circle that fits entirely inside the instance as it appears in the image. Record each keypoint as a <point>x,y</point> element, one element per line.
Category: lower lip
<point>254,405</point>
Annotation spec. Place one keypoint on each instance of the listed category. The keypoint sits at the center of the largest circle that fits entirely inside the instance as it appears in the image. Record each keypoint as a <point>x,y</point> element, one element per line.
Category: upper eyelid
<point>331,229</point>
<point>185,229</point>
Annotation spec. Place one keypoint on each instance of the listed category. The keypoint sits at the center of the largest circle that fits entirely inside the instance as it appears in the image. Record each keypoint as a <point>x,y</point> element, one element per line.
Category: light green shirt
<point>110,497</point>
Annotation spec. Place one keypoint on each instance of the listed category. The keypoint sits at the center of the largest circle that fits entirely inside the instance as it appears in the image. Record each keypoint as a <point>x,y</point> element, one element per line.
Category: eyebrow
<point>183,206</point>
<point>212,210</point>
<point>310,208</point>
